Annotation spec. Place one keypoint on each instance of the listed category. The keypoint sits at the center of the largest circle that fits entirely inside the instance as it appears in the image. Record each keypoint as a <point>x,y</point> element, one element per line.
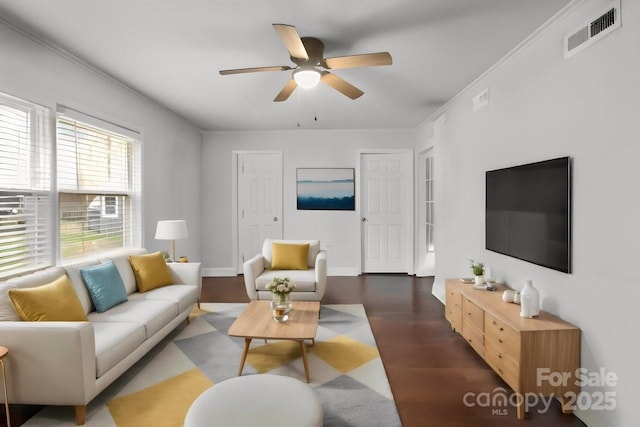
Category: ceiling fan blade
<point>341,86</point>
<point>364,60</point>
<point>291,40</point>
<point>286,91</point>
<point>255,70</point>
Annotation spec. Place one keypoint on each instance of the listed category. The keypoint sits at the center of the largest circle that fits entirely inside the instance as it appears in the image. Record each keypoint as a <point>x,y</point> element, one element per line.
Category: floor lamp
<point>172,230</point>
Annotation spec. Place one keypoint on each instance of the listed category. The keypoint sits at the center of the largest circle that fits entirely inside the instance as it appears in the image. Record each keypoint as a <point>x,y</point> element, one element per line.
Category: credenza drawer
<point>453,309</point>
<point>503,363</point>
<point>474,337</point>
<point>501,336</point>
<point>454,297</point>
<point>454,315</point>
<point>472,314</point>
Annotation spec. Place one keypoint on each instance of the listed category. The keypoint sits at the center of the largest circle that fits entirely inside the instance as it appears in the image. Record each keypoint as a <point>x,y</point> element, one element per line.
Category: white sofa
<point>310,284</point>
<point>70,363</point>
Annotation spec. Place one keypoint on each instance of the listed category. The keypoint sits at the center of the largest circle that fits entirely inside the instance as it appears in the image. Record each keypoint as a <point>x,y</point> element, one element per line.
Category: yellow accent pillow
<point>55,301</point>
<point>289,256</point>
<point>151,271</point>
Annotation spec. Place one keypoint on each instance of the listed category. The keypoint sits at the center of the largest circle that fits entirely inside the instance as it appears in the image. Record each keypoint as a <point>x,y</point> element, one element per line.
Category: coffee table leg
<point>303,350</point>
<point>245,350</point>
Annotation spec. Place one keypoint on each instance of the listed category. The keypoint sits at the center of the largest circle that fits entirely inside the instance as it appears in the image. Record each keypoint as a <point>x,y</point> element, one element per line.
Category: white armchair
<point>310,283</point>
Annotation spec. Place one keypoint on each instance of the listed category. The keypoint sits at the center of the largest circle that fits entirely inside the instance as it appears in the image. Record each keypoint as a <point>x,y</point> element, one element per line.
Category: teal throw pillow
<point>105,285</point>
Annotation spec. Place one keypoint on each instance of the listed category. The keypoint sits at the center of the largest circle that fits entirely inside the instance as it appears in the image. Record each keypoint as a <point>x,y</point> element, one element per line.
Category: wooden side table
<point>3,353</point>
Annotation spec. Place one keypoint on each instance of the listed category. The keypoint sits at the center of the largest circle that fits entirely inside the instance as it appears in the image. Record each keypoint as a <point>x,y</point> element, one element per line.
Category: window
<point>97,189</point>
<point>429,221</point>
<point>110,206</point>
<point>25,198</point>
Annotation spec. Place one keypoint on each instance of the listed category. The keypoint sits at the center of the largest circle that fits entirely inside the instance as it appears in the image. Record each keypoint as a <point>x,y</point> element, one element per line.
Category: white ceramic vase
<point>479,280</point>
<point>529,300</point>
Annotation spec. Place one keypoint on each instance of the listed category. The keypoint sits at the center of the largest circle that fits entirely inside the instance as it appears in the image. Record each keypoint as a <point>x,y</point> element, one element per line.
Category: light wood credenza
<point>524,352</point>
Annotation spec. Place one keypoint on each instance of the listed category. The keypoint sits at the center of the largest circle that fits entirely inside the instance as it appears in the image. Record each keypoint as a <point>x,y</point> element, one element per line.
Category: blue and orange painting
<point>326,189</point>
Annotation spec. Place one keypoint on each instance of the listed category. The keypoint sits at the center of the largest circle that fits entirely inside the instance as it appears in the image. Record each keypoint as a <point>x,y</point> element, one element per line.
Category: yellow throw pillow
<point>151,271</point>
<point>289,256</point>
<point>56,301</point>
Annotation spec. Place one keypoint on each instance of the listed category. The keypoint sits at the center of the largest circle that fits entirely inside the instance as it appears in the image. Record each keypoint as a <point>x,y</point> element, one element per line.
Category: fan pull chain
<point>315,104</point>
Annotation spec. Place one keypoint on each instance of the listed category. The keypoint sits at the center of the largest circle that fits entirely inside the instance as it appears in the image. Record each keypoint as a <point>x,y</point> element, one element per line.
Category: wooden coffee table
<point>256,321</point>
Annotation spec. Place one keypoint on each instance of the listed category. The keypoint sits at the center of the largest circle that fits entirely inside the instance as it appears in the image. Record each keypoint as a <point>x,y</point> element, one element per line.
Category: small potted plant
<point>478,272</point>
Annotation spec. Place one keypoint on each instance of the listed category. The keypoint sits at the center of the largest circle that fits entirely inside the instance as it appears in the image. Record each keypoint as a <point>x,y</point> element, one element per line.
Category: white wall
<point>541,107</point>
<point>338,231</point>
<point>171,146</point>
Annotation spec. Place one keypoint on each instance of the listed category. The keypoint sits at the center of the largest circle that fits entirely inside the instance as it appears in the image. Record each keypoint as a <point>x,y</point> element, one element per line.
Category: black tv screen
<point>528,212</point>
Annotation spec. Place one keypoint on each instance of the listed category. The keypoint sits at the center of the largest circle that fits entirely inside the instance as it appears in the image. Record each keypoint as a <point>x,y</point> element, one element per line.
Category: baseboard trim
<point>438,290</point>
<point>342,271</point>
<point>219,272</point>
<point>230,272</point>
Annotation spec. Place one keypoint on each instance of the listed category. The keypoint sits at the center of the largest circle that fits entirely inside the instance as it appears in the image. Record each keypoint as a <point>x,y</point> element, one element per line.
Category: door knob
<point>364,219</point>
<point>275,218</point>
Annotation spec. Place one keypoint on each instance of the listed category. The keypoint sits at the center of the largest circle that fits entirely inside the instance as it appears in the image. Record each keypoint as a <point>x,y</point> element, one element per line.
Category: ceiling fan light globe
<point>307,79</point>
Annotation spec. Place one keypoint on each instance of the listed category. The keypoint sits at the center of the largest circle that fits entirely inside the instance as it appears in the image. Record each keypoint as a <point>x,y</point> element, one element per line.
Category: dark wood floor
<point>430,368</point>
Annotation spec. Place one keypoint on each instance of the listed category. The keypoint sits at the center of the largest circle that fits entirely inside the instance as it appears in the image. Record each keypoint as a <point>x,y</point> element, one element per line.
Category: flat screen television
<point>528,212</point>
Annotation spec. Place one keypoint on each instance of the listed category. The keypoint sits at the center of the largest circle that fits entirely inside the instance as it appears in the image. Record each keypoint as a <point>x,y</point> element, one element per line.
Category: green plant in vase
<point>478,272</point>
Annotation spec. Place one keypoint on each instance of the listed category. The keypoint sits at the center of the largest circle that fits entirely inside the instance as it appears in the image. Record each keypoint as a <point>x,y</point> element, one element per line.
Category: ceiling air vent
<point>593,31</point>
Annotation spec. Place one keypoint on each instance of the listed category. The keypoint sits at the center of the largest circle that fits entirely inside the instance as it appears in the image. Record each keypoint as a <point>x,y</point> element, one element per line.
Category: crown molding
<point>522,46</point>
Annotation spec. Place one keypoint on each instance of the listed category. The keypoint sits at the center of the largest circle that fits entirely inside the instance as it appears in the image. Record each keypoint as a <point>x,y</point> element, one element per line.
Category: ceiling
<point>171,51</point>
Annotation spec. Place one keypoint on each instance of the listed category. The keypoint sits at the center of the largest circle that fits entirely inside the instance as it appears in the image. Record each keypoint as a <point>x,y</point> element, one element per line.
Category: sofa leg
<point>81,412</point>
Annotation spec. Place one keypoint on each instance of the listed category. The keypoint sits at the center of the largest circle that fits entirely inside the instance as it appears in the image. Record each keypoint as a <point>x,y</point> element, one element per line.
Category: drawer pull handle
<point>500,340</point>
<point>494,322</point>
<point>501,329</point>
<point>500,370</point>
<point>499,356</point>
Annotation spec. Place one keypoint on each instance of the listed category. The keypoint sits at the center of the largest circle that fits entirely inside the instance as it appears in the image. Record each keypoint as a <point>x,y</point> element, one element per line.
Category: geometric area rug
<point>344,365</point>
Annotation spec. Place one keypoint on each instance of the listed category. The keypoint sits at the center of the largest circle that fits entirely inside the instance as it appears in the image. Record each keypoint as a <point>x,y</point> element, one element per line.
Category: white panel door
<point>259,201</point>
<point>386,212</point>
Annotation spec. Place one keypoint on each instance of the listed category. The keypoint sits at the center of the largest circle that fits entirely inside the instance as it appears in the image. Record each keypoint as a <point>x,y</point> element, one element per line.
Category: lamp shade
<point>172,230</point>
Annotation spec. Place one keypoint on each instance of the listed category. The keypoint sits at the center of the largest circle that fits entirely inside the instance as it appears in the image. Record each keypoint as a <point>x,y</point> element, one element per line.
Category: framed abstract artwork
<point>331,189</point>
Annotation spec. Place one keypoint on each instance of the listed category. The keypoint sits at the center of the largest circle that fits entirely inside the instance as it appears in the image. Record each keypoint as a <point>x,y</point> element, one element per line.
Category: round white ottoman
<point>252,400</point>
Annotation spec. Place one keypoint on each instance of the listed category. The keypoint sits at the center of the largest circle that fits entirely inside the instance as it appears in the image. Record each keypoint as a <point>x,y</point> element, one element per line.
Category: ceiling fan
<point>311,65</point>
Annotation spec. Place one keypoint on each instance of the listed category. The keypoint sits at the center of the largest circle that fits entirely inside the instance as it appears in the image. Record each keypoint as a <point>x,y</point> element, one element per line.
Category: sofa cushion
<point>305,280</point>
<point>56,301</point>
<point>152,314</point>
<point>114,341</point>
<point>184,295</point>
<point>73,271</point>
<point>123,265</point>
<point>151,271</point>
<point>39,278</point>
<point>105,285</point>
<point>267,254</point>
<point>289,256</point>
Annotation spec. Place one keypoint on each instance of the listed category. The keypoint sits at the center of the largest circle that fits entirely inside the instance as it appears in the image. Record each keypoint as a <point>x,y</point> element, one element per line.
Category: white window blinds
<point>25,199</point>
<point>97,189</point>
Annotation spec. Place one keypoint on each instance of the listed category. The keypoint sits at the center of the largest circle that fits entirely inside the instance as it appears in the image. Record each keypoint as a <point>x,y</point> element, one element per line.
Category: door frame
<point>409,245</point>
<point>235,236</point>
